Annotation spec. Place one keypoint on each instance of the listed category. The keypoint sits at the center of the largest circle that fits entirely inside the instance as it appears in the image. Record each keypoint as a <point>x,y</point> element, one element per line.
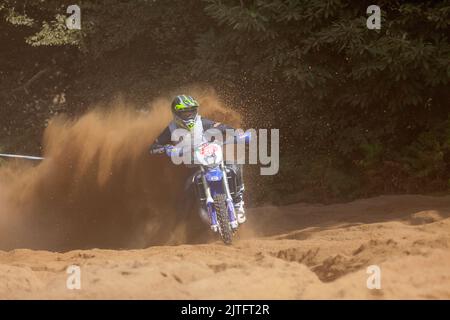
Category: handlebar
<point>169,149</point>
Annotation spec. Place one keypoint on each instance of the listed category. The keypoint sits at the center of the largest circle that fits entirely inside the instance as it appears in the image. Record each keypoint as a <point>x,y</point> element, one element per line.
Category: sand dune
<point>294,252</point>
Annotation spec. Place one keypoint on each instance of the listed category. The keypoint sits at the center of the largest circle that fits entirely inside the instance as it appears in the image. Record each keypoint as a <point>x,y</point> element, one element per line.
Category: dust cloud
<point>98,186</point>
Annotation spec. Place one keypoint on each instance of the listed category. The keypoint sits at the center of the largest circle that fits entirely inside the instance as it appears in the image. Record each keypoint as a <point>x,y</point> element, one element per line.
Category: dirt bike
<point>214,185</point>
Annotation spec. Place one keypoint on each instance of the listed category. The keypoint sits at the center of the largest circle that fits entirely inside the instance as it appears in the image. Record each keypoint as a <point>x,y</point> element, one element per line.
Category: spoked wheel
<point>220,204</point>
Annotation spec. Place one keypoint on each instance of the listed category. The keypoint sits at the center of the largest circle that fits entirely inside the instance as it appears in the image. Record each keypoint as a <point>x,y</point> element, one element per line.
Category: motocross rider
<point>185,116</point>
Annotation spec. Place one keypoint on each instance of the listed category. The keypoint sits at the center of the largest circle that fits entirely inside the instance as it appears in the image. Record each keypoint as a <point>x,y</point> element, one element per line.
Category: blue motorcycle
<point>214,185</point>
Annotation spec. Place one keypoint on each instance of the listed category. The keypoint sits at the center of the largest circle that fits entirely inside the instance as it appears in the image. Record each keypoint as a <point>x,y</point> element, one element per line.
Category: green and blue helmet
<point>185,111</point>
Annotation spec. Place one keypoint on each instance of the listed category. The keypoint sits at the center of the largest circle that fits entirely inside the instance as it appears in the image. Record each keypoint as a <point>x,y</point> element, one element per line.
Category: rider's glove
<point>169,149</point>
<point>156,150</point>
<point>172,150</point>
<point>244,138</point>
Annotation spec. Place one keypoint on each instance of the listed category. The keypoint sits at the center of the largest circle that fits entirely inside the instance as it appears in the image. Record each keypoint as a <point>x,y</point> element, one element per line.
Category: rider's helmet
<point>185,111</point>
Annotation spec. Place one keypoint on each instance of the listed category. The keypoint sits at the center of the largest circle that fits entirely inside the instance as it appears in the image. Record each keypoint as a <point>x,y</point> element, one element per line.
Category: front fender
<point>214,175</point>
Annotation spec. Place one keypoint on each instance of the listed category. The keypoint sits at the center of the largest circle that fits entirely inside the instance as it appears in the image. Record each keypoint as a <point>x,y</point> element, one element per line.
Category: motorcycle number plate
<point>208,150</point>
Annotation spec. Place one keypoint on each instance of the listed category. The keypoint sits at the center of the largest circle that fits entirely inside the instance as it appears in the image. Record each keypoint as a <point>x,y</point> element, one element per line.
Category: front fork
<point>230,206</point>
<point>210,201</point>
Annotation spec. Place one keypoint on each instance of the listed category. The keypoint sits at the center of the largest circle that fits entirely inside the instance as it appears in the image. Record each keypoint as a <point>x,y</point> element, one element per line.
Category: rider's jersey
<point>203,125</point>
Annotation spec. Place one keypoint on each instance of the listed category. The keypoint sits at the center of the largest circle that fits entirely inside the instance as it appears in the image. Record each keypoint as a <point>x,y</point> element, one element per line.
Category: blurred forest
<point>361,112</point>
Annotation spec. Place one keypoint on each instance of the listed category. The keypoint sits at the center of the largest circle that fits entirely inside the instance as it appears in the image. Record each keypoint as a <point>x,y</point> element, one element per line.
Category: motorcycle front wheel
<point>220,204</point>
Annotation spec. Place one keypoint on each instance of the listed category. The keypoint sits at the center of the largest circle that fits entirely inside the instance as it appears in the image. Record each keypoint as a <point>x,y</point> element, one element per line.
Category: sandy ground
<point>293,252</point>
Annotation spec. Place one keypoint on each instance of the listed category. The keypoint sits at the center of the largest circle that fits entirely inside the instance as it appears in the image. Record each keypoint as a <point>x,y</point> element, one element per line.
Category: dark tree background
<point>360,112</point>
